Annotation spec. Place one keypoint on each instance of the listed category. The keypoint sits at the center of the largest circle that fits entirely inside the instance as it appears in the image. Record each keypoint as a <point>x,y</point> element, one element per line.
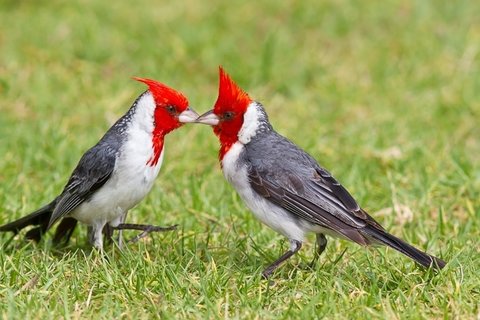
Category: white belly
<point>270,214</point>
<point>131,181</point>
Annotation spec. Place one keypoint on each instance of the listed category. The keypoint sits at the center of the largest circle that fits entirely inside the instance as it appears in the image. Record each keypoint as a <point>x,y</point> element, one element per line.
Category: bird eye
<point>171,109</point>
<point>228,115</point>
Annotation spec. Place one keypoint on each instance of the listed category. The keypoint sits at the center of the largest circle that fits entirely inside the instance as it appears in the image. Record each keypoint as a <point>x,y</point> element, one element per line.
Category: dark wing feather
<point>332,188</point>
<point>292,179</point>
<point>93,170</point>
<point>337,189</point>
<point>327,216</point>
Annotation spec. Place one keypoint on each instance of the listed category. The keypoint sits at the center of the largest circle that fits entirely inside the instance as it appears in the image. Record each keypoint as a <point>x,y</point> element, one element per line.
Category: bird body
<point>284,186</point>
<point>259,149</point>
<point>132,177</point>
<point>235,169</point>
<point>118,172</point>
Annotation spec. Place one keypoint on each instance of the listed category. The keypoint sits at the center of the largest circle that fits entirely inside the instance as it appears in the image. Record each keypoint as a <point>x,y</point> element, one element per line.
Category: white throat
<point>251,123</point>
<point>143,117</point>
<point>138,147</point>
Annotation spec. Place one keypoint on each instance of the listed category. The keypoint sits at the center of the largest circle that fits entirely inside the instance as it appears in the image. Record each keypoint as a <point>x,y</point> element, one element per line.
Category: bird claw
<point>150,229</point>
<point>267,273</point>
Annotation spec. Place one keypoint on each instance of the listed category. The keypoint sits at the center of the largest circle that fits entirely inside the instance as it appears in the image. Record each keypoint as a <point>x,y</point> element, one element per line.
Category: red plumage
<point>232,99</point>
<point>164,97</point>
<point>230,95</point>
<point>164,94</point>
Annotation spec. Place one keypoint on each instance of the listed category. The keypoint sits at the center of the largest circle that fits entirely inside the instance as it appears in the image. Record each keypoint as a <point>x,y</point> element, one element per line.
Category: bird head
<point>171,107</point>
<point>228,115</point>
<point>170,110</point>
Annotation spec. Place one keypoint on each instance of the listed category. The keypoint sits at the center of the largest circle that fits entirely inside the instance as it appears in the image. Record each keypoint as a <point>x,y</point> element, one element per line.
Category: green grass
<point>386,95</point>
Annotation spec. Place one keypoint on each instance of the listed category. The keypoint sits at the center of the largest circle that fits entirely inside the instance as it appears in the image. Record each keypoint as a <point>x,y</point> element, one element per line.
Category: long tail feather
<point>420,257</point>
<point>38,218</point>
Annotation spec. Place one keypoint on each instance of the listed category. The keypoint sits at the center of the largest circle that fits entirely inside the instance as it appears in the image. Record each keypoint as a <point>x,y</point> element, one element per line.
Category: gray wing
<point>289,177</point>
<point>93,170</point>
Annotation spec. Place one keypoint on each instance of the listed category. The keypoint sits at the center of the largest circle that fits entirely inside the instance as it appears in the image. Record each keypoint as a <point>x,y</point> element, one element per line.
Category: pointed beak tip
<point>188,116</point>
<point>208,118</point>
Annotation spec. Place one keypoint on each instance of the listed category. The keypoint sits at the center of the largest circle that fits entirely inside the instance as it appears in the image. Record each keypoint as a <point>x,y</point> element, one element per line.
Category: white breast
<point>132,177</point>
<point>270,214</point>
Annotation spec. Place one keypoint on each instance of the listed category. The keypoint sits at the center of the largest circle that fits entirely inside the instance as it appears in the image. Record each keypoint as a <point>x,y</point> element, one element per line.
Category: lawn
<point>386,95</point>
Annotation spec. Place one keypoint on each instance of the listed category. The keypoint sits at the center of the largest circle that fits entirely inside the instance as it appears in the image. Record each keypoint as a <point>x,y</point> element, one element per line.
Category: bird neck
<point>145,125</point>
<point>254,122</point>
<point>157,146</point>
<point>226,142</point>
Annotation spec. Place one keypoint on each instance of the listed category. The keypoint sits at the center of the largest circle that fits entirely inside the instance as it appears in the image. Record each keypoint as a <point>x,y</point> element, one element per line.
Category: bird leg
<point>120,232</point>
<point>320,247</point>
<point>107,233</point>
<point>94,234</point>
<point>146,228</point>
<point>294,247</point>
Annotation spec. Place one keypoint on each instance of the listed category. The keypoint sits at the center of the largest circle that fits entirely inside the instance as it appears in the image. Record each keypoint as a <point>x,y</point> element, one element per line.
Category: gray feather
<point>94,168</point>
<point>289,177</point>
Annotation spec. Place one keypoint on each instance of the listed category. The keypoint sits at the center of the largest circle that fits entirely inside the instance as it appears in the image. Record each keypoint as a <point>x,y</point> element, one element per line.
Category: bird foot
<point>145,228</point>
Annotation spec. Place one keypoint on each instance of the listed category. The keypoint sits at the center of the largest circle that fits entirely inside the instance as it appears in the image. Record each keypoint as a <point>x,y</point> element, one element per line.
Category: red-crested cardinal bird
<point>115,174</point>
<point>284,186</point>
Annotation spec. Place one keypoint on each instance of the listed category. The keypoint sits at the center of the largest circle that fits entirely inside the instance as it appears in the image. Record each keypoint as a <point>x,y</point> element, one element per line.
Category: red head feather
<point>231,105</point>
<point>230,96</point>
<point>164,121</point>
<point>164,95</point>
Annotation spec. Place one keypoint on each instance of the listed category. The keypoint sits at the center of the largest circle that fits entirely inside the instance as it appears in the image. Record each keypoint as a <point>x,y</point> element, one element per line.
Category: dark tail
<point>420,257</point>
<point>41,218</point>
